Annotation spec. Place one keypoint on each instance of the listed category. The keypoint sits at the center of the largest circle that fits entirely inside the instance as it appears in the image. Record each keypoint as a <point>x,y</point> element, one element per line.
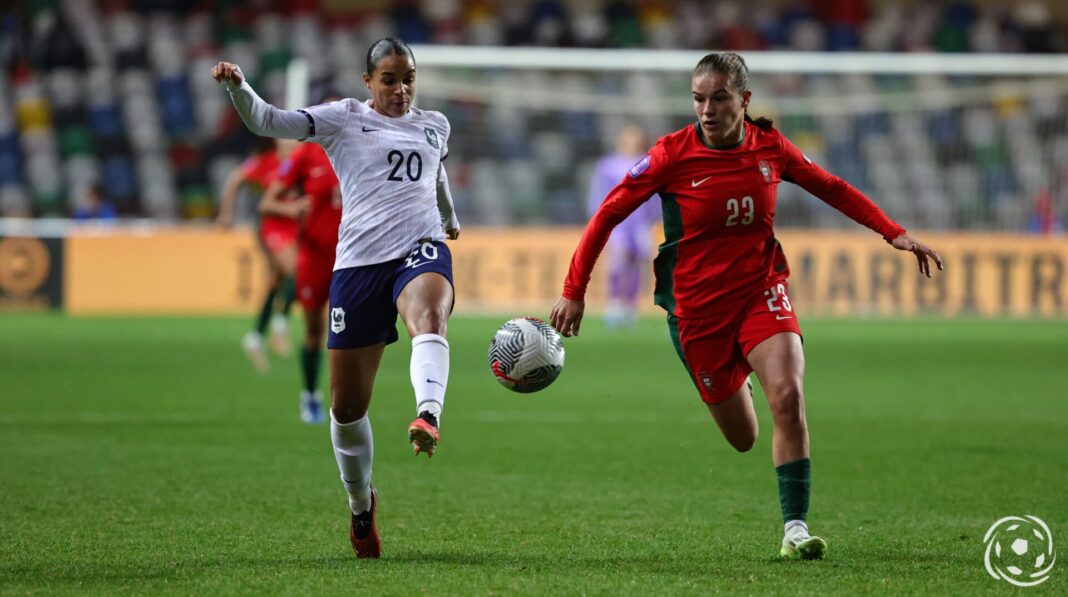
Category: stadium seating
<point>117,93</point>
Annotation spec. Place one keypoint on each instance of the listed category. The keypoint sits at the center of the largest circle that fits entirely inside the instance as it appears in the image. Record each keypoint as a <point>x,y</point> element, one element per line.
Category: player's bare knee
<point>347,414</point>
<point>787,402</point>
<point>430,321</point>
<point>743,442</point>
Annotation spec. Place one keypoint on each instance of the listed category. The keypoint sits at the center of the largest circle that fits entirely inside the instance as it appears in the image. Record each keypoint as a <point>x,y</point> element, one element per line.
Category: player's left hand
<point>922,252</point>
<point>567,316</point>
<point>452,233</point>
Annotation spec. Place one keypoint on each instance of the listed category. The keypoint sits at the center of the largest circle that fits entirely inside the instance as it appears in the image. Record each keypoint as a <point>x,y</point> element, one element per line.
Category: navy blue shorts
<point>363,300</point>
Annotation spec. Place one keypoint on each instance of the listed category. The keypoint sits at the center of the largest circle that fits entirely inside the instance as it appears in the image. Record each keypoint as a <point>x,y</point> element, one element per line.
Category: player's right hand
<point>227,72</point>
<point>567,316</point>
<point>301,207</point>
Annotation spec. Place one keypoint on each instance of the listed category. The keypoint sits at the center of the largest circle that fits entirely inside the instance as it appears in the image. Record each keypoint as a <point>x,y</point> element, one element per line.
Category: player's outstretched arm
<point>260,117</point>
<point>922,252</point>
<point>567,316</point>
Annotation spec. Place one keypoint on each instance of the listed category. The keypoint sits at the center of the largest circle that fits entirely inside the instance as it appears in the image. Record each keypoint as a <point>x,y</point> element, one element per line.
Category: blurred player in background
<point>391,257</point>
<point>721,274</point>
<point>630,246</point>
<point>307,170</point>
<point>278,239</point>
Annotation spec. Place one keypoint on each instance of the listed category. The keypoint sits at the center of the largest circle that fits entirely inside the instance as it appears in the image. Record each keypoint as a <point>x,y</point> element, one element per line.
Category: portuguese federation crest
<point>765,170</point>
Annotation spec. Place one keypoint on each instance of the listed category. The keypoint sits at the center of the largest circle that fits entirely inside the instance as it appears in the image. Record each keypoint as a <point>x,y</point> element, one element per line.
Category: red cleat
<point>363,532</point>
<point>423,433</point>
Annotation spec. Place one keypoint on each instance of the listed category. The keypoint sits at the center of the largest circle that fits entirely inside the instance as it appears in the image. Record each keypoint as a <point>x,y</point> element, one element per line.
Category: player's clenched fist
<point>227,71</point>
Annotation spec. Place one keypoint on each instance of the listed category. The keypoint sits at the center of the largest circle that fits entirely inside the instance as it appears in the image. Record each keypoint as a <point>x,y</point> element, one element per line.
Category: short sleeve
<point>248,168</point>
<point>325,120</point>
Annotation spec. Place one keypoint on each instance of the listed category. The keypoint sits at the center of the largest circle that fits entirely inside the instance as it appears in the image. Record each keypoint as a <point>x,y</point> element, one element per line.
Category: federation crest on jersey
<point>765,170</point>
<point>432,137</point>
<point>640,166</point>
<point>337,320</point>
<point>706,380</point>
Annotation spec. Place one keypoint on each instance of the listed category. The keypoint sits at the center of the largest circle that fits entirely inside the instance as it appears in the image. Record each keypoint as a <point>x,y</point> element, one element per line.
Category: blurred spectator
<point>1043,217</point>
<point>92,206</point>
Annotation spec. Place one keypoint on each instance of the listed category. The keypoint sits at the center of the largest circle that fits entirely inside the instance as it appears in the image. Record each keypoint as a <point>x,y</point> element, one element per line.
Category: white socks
<point>354,450</point>
<point>430,373</point>
<point>793,527</point>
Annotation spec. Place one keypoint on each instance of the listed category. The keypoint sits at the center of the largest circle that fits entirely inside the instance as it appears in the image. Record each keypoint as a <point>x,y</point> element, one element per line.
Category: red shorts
<point>314,269</point>
<point>714,349</point>
<point>277,234</point>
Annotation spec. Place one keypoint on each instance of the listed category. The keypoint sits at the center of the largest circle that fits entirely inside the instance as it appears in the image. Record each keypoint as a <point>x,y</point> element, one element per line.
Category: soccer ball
<point>526,355</point>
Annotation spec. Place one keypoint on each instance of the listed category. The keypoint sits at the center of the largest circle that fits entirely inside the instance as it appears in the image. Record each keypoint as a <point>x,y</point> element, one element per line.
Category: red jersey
<point>308,169</point>
<point>260,169</point>
<point>719,203</point>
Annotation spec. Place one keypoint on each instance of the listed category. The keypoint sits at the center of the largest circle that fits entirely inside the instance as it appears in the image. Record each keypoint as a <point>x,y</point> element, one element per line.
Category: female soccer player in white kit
<point>391,254</point>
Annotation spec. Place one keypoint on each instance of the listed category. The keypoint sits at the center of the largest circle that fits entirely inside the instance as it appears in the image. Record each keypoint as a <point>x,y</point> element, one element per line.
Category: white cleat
<point>802,546</point>
<point>252,344</point>
<point>311,407</point>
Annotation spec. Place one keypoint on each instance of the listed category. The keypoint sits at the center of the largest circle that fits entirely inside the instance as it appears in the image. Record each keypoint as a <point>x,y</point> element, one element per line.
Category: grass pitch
<point>145,456</point>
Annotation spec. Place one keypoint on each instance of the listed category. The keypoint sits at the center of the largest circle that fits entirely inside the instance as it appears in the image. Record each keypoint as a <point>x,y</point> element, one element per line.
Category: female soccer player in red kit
<point>721,275</point>
<point>308,170</point>
<point>278,239</point>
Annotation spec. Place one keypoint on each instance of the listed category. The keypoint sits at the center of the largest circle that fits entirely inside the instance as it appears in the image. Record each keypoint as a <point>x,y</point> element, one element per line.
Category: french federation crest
<point>432,137</point>
<point>765,169</point>
<point>337,320</point>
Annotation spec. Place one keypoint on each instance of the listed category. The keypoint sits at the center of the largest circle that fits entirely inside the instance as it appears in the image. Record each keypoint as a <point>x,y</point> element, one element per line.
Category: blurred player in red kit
<point>721,274</point>
<point>278,239</point>
<point>307,171</point>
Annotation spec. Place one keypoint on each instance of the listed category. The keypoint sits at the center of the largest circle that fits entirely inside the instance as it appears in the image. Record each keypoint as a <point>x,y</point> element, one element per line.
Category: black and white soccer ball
<point>526,355</point>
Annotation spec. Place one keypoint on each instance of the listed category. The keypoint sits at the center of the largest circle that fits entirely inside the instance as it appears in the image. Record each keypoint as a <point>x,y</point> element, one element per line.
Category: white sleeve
<point>266,120</point>
<point>445,204</point>
<point>327,119</point>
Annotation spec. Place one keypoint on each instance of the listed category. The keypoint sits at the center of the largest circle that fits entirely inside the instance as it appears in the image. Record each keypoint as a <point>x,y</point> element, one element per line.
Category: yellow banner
<point>521,272</point>
<point>163,271</point>
<point>833,274</point>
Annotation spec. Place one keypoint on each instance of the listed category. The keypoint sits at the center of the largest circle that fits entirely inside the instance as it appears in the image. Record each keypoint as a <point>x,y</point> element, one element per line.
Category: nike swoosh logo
<point>437,382</point>
<point>367,130</point>
<point>697,183</point>
<point>780,317</point>
<point>420,264</point>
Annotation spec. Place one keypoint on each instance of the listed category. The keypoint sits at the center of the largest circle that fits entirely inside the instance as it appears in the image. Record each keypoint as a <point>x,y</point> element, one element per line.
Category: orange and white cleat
<point>423,433</point>
<point>363,532</point>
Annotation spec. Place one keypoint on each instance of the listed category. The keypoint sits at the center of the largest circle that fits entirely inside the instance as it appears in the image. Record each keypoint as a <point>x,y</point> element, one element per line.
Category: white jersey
<point>389,170</point>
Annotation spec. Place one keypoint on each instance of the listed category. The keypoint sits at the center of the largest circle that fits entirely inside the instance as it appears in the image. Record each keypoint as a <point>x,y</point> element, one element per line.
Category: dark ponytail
<point>732,66</point>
